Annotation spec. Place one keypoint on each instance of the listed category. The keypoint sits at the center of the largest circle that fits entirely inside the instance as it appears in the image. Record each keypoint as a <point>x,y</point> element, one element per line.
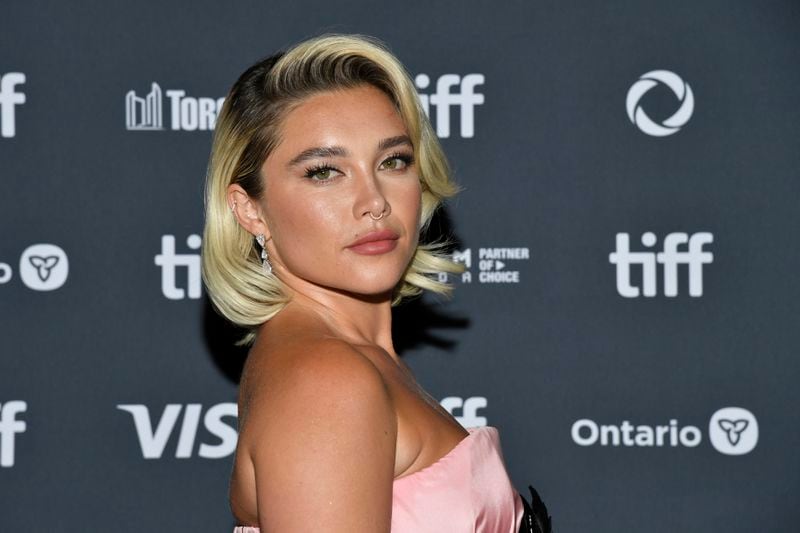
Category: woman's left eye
<point>398,161</point>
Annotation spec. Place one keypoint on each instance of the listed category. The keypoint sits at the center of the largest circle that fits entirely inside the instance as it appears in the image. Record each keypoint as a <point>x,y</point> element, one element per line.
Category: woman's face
<point>344,158</point>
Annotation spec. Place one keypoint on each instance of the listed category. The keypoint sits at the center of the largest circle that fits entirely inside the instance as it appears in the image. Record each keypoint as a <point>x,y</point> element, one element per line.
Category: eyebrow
<point>391,142</point>
<point>338,151</point>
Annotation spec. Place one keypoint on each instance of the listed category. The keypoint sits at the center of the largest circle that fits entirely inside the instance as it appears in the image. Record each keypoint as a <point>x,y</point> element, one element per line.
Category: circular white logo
<point>646,82</point>
<point>733,431</point>
<point>43,267</point>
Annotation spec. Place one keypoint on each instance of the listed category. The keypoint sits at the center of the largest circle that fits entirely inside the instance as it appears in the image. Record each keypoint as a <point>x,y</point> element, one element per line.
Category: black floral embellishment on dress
<point>536,518</point>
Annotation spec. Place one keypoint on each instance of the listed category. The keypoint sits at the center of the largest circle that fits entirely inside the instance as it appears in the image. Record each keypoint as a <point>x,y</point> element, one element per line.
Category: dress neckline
<point>436,464</point>
<point>460,444</point>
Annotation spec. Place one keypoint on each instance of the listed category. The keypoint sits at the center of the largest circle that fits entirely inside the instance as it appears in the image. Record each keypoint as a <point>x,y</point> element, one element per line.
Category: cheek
<point>411,199</point>
<point>304,230</point>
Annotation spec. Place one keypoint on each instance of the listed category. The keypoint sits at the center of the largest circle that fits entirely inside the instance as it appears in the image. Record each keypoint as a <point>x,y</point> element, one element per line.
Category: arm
<point>324,450</point>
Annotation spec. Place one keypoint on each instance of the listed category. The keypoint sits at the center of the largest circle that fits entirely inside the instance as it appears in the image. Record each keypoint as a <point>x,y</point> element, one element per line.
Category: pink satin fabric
<point>467,490</point>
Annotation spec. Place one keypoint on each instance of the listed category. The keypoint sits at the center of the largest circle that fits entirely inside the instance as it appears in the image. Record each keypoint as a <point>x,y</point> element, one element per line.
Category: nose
<point>370,199</point>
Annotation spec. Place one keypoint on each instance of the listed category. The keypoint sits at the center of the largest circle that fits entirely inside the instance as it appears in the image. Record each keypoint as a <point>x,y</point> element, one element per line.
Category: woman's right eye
<point>319,173</point>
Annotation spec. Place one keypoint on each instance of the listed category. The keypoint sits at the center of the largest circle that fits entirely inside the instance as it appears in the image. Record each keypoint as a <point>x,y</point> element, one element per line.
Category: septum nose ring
<point>373,217</point>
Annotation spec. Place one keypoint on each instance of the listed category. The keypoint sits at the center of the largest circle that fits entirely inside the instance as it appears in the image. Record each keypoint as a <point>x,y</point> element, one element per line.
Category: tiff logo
<point>695,257</point>
<point>465,98</point>
<point>169,261</point>
<point>9,99</point>
<point>9,427</point>
<point>153,440</point>
<point>469,409</point>
<point>186,112</point>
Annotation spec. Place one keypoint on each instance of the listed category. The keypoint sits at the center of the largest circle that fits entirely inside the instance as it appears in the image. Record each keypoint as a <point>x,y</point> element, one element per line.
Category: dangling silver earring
<point>264,257</point>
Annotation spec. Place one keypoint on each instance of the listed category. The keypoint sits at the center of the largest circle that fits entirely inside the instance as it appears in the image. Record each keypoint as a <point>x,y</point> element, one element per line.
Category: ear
<point>247,211</point>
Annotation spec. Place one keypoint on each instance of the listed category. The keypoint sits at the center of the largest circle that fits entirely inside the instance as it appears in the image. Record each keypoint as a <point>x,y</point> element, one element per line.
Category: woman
<point>323,172</point>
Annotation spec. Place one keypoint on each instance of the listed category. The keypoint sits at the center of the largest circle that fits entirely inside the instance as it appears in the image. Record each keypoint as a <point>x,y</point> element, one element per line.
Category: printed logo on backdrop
<point>42,267</point>
<point>455,96</point>
<point>155,435</point>
<point>468,407</point>
<point>670,257</point>
<point>170,262</point>
<point>186,113</point>
<point>640,118</point>
<point>465,99</point>
<point>731,431</point>
<point>153,439</point>
<point>495,265</point>
<point>10,426</point>
<point>10,98</point>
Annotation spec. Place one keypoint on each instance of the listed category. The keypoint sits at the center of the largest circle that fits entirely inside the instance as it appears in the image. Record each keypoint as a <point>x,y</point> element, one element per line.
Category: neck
<point>357,318</point>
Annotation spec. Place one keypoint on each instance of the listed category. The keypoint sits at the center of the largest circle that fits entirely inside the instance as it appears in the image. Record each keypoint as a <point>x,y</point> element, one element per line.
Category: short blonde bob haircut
<point>247,131</point>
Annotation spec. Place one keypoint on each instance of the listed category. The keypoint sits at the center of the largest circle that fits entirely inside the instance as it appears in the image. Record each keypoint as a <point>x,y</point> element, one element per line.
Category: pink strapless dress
<point>468,490</point>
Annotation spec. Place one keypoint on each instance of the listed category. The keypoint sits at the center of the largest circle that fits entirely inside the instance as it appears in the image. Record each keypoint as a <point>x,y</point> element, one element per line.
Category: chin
<point>378,285</point>
<point>374,289</point>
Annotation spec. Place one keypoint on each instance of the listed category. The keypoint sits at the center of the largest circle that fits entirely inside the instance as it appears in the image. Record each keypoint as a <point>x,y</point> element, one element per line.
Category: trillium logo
<point>734,428</point>
<point>43,267</point>
<point>674,123</point>
<point>733,431</point>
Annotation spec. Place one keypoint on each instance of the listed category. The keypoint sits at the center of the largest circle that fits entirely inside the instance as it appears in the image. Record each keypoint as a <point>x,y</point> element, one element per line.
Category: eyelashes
<point>322,172</point>
<point>407,159</point>
<point>313,172</point>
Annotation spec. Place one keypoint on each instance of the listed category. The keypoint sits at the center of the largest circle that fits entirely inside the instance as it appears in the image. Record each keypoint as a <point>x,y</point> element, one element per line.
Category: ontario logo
<point>731,431</point>
<point>42,267</point>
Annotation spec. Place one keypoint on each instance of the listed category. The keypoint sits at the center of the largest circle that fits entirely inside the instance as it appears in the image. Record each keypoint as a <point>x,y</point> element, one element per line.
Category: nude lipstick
<point>375,242</point>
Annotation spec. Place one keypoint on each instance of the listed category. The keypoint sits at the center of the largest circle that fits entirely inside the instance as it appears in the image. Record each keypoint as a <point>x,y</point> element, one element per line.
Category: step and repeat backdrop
<point>628,317</point>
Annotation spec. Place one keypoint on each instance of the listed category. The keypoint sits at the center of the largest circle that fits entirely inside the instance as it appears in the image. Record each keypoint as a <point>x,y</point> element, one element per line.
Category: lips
<point>375,242</point>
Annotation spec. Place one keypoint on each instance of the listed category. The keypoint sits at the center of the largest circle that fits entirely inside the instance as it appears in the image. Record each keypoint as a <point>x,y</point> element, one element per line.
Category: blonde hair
<point>247,132</point>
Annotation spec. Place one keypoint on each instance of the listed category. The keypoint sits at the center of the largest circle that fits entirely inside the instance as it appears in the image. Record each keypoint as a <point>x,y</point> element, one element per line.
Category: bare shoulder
<point>307,371</point>
<point>321,434</point>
